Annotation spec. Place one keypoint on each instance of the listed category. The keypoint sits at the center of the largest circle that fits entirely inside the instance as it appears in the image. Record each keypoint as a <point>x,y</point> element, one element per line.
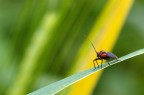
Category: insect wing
<point>111,55</point>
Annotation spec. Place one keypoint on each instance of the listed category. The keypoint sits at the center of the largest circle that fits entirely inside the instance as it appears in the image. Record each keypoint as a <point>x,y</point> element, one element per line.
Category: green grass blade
<point>60,85</point>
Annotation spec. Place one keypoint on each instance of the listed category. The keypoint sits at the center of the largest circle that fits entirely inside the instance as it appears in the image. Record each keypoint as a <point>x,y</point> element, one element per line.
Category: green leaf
<point>60,85</point>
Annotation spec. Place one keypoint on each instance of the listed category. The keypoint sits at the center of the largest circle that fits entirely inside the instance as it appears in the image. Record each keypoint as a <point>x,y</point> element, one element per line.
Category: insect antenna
<point>93,46</point>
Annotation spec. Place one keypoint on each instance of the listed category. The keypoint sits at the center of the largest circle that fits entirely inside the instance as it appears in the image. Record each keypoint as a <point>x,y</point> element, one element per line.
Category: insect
<point>102,55</point>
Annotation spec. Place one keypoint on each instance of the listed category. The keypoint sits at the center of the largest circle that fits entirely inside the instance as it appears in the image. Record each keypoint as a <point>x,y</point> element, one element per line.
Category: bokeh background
<point>40,40</point>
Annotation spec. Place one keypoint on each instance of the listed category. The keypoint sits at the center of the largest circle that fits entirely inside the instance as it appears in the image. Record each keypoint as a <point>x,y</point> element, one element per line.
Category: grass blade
<point>60,85</point>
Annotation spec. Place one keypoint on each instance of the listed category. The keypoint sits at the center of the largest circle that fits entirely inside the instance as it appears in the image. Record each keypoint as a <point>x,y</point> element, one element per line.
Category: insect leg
<point>94,64</point>
<point>101,62</point>
<point>108,62</point>
<point>95,60</point>
<point>117,59</point>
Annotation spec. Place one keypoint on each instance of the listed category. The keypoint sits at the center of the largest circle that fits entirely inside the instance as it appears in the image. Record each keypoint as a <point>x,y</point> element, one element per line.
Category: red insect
<point>102,55</point>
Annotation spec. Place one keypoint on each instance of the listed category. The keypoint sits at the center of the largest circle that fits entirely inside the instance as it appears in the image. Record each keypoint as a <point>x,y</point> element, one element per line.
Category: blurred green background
<point>127,78</point>
<point>23,33</point>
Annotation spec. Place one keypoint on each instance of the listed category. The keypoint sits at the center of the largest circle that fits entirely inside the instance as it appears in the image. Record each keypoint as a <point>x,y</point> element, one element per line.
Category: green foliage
<point>39,38</point>
<point>21,20</point>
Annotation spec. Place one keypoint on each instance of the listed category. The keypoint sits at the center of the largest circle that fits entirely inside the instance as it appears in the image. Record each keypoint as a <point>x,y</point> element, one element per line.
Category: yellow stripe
<point>103,35</point>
